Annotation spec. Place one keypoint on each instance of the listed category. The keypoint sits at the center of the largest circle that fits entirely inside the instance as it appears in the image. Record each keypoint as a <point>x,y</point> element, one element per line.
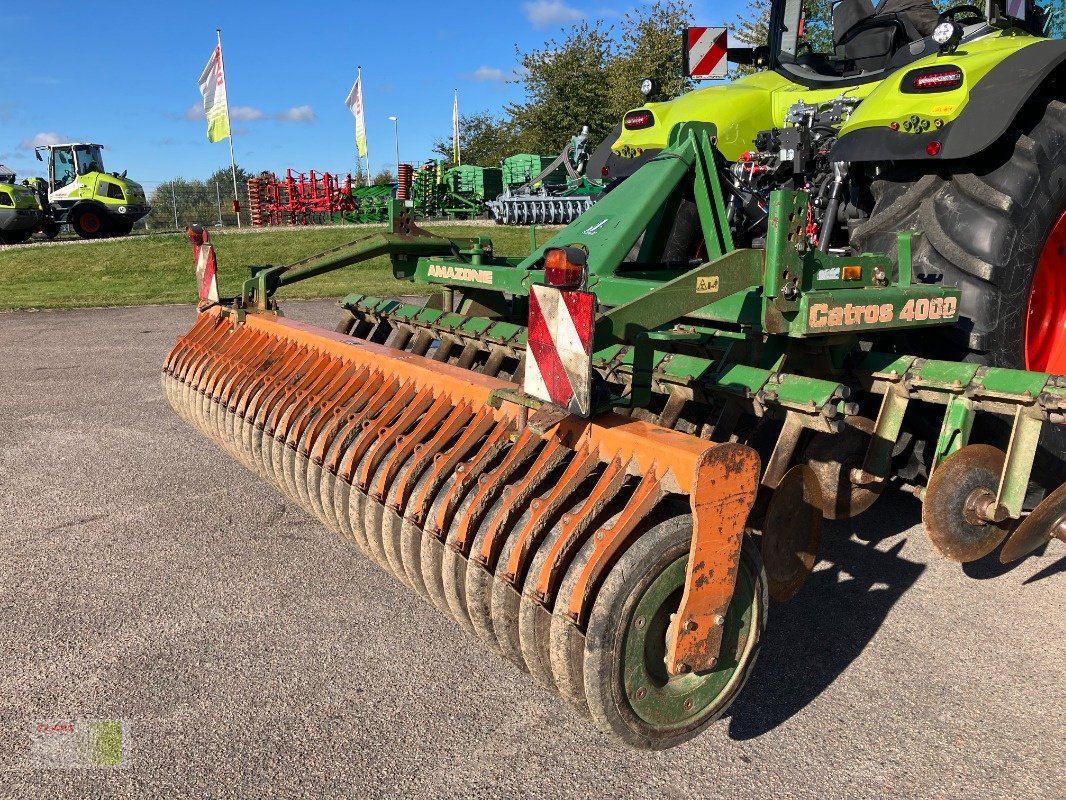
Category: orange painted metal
<point>388,436</point>
<point>610,540</point>
<point>726,483</point>
<point>370,429</point>
<point>491,486</point>
<point>449,461</point>
<point>425,454</point>
<point>357,406</point>
<point>575,527</point>
<point>407,443</point>
<point>541,510</point>
<point>517,498</point>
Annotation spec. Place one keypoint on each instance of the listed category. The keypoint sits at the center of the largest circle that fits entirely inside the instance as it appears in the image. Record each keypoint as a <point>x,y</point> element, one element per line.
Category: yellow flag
<point>213,88</point>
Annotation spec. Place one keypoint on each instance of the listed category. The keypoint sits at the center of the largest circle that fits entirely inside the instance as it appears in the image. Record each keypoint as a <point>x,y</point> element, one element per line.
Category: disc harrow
<point>602,461</point>
<point>523,537</point>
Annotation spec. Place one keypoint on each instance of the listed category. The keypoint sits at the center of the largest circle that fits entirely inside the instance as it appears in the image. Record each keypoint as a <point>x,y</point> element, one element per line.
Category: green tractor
<point>20,213</point>
<point>96,204</point>
<point>960,133</point>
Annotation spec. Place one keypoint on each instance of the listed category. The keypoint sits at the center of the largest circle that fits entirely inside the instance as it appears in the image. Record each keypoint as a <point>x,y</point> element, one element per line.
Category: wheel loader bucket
<point>603,555</point>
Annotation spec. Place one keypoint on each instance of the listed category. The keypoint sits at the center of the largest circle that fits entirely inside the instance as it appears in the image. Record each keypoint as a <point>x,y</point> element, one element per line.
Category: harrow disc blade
<point>833,457</point>
<point>791,532</point>
<point>1046,522</point>
<point>958,489</point>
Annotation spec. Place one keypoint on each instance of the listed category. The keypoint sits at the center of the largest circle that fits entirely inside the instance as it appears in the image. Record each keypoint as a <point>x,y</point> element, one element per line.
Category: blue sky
<point>124,74</point>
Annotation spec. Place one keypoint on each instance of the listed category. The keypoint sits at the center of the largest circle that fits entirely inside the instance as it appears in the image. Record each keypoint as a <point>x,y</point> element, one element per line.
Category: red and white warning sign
<point>206,266</point>
<point>559,348</point>
<point>705,52</point>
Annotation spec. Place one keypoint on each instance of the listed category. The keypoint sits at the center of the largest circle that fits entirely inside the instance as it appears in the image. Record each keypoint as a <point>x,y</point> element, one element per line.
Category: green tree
<point>383,177</point>
<point>198,202</point>
<point>484,139</point>
<point>566,86</point>
<point>650,47</point>
<point>592,75</point>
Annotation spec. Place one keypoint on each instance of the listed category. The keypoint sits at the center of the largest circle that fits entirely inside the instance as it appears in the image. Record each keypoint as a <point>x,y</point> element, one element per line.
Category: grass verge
<point>159,269</point>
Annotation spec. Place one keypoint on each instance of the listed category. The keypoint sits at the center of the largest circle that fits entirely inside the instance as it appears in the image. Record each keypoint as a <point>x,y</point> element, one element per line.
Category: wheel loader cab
<point>62,168</point>
<point>89,158</point>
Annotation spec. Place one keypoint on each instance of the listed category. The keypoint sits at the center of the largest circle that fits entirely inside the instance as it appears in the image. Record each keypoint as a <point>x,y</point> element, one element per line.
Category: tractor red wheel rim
<point>90,222</point>
<point>1045,326</point>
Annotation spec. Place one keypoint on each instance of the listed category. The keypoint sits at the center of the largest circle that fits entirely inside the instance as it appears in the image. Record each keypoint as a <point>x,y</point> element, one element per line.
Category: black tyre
<point>121,228</point>
<point>14,237</point>
<point>993,225</point>
<point>50,230</point>
<point>629,692</point>
<point>90,222</point>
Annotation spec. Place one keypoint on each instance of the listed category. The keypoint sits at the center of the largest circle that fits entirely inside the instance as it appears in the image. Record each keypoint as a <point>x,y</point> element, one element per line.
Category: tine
<point>490,486</point>
<point>610,540</point>
<point>574,530</point>
<point>577,470</point>
<point>517,497</point>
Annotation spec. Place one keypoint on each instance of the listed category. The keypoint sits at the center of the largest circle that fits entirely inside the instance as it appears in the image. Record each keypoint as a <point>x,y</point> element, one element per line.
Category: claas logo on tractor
<point>559,343</point>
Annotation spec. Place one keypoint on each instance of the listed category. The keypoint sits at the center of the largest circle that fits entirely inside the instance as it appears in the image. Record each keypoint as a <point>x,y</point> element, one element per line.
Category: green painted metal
<point>773,331</point>
<point>666,700</point>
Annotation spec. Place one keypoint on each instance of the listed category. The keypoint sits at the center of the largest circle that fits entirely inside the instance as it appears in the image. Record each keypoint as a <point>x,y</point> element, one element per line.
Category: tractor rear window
<point>5,200</point>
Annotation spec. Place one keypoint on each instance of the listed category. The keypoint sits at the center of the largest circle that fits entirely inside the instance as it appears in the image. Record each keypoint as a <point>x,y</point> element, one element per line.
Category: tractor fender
<point>991,107</point>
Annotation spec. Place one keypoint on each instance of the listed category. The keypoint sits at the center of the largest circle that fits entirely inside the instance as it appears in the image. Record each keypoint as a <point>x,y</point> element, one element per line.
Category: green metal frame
<point>775,330</point>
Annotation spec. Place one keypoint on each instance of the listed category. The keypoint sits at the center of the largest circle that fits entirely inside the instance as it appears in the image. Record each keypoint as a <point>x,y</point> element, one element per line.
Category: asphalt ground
<point>146,577</point>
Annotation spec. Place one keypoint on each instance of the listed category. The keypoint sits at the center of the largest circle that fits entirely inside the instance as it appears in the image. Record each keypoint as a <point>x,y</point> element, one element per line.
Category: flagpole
<point>232,160</point>
<point>366,146</point>
<point>458,151</point>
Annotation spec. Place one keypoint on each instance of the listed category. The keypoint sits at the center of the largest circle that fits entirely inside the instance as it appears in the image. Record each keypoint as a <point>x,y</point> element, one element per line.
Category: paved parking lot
<point>145,577</point>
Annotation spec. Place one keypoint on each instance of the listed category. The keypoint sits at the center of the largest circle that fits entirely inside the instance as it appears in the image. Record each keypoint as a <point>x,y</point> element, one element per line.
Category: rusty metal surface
<point>1045,522</point>
<point>792,532</point>
<point>722,498</point>
<point>833,457</point>
<point>959,488</point>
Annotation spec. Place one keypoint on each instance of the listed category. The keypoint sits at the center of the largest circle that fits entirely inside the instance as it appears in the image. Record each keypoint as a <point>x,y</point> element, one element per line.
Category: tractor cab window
<point>89,159</point>
<point>850,41</point>
<point>63,173</point>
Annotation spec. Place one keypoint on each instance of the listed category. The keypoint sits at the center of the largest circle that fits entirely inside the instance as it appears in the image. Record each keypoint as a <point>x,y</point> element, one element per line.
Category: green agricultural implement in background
<point>602,457</point>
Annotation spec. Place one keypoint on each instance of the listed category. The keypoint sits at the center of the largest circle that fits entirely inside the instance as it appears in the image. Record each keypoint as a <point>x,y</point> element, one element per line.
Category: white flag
<point>213,88</point>
<point>355,105</point>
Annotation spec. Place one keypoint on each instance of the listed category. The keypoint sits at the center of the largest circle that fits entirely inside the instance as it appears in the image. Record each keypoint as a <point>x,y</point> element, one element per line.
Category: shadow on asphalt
<point>811,640</point>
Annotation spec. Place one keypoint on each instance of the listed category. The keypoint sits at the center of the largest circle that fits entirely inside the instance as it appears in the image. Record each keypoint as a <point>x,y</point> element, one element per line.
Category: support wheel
<point>629,692</point>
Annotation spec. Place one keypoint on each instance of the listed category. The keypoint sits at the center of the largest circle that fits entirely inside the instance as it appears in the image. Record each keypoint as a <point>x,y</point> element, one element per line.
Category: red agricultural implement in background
<point>299,199</point>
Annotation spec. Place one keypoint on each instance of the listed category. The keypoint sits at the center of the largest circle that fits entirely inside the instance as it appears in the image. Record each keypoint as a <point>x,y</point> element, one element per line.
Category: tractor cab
<point>95,203</point>
<point>871,39</point>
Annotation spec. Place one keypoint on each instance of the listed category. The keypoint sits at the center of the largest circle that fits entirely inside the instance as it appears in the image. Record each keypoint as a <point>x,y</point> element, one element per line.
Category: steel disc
<point>963,483</point>
<point>1046,522</point>
<point>792,531</point>
<point>832,456</point>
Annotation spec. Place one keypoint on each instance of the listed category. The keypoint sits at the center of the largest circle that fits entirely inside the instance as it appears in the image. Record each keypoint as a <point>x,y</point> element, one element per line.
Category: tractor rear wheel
<point>89,222</point>
<point>994,225</point>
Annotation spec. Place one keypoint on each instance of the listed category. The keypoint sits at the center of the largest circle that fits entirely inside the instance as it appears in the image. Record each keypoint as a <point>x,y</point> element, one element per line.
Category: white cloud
<point>245,113</point>
<point>297,114</point>
<point>194,112</point>
<point>43,140</point>
<point>487,74</point>
<point>545,13</point>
